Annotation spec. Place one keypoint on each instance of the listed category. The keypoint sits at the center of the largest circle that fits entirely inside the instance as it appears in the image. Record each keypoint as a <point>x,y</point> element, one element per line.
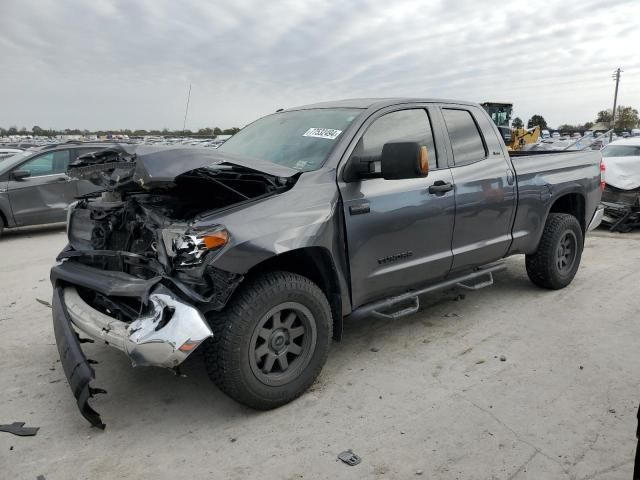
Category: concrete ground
<point>423,397</point>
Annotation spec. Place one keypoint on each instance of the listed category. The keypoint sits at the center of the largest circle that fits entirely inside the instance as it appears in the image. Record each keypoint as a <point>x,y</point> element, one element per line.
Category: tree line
<point>44,132</point>
<point>626,119</point>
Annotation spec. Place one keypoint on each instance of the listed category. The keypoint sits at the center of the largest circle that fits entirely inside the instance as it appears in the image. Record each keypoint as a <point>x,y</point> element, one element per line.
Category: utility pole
<point>616,77</point>
<point>184,124</point>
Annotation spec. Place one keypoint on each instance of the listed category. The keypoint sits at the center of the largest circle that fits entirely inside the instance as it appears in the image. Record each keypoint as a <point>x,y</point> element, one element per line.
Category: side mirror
<point>359,167</point>
<point>20,174</point>
<point>402,160</point>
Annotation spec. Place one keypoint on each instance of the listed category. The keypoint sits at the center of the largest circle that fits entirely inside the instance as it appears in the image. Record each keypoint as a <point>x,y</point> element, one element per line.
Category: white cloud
<point>128,64</point>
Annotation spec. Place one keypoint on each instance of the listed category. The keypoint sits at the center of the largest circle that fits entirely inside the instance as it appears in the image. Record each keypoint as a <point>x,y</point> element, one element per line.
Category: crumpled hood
<point>149,167</point>
<point>622,172</point>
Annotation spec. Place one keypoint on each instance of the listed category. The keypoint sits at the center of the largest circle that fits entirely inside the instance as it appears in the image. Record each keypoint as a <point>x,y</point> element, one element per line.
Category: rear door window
<point>466,139</point>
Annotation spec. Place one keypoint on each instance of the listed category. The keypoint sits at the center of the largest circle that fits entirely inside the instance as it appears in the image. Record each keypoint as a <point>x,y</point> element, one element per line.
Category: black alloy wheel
<point>282,343</point>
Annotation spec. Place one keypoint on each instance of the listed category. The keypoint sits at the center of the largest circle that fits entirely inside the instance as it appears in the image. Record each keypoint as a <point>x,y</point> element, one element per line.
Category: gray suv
<point>35,188</point>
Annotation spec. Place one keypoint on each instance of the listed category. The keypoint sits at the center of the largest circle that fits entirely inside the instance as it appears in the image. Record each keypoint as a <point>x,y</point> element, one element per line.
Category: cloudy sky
<point>128,64</point>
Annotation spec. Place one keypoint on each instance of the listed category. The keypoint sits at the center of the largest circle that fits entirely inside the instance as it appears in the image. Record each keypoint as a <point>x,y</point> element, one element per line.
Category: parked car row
<point>24,142</point>
<point>563,142</point>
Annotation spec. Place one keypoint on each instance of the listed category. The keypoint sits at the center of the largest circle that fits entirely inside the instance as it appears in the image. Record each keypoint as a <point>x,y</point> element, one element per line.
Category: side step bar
<point>410,301</point>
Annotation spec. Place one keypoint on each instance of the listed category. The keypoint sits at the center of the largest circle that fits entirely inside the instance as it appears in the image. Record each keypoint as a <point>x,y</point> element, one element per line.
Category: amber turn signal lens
<point>216,239</point>
<point>188,346</point>
<point>424,160</point>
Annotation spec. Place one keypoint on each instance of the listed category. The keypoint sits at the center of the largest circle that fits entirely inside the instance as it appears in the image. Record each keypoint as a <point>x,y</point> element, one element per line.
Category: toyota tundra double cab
<point>256,252</point>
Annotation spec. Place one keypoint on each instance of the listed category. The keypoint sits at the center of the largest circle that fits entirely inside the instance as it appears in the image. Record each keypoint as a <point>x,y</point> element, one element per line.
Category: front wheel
<point>556,261</point>
<point>271,341</point>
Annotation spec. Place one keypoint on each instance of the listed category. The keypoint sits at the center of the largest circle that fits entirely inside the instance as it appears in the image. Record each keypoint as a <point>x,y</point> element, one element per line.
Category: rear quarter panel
<point>544,178</point>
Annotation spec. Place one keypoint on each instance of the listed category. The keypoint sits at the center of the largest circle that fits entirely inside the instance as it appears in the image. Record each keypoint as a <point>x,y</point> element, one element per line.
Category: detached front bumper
<point>76,367</point>
<point>164,335</point>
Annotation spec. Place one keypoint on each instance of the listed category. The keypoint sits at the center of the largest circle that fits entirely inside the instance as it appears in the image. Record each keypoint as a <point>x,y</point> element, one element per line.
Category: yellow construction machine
<point>515,138</point>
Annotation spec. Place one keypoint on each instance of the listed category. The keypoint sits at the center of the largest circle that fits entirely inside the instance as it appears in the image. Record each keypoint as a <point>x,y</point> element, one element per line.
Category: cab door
<point>39,189</point>
<point>485,189</point>
<point>398,232</point>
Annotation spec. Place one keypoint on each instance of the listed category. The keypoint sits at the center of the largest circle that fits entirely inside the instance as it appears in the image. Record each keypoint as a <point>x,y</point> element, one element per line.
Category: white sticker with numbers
<point>329,133</point>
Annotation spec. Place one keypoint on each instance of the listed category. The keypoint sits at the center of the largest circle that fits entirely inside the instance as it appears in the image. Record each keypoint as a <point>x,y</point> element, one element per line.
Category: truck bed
<point>543,177</point>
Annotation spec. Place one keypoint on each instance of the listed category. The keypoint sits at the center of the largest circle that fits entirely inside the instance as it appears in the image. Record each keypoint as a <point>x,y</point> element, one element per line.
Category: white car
<point>622,162</point>
<point>8,152</point>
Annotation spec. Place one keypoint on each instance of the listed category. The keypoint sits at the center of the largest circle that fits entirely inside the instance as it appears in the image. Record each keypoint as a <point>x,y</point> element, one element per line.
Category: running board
<point>410,301</point>
<point>477,286</point>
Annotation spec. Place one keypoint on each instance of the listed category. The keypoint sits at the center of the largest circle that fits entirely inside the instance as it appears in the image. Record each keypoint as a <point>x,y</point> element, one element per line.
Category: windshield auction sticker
<point>329,133</point>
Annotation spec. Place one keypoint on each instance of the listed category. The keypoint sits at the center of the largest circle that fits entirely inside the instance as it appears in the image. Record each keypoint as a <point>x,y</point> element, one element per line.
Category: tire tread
<point>540,265</point>
<point>222,351</point>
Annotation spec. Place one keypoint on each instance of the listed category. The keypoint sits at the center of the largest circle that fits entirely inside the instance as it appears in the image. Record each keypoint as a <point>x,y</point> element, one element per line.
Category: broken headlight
<point>192,247</point>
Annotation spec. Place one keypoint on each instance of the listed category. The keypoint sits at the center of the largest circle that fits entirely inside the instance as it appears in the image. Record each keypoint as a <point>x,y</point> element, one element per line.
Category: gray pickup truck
<point>258,250</point>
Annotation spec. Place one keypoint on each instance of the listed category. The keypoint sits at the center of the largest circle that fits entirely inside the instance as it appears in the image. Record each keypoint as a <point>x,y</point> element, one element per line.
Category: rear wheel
<point>271,341</point>
<point>2,225</point>
<point>556,261</point>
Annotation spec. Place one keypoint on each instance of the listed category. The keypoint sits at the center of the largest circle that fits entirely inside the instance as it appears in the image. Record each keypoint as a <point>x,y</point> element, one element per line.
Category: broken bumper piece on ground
<point>164,335</point>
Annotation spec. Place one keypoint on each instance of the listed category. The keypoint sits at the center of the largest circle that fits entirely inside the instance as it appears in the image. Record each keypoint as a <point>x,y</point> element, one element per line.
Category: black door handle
<point>440,187</point>
<point>359,209</point>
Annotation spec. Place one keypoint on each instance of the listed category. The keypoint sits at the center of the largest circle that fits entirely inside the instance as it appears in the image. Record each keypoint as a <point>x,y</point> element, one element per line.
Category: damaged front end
<point>621,209</point>
<point>136,273</point>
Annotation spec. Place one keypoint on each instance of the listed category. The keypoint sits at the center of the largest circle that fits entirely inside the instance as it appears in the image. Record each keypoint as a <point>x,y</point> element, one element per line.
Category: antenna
<point>186,111</point>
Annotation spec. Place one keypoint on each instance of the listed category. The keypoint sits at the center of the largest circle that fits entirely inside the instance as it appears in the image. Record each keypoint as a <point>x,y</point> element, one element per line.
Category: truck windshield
<point>299,139</point>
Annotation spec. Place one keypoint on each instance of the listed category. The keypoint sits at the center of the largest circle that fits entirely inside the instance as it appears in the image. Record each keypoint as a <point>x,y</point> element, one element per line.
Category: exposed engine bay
<point>141,224</point>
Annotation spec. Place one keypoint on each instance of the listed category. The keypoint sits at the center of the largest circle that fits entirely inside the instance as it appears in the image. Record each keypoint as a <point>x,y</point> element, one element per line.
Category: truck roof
<point>365,103</point>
